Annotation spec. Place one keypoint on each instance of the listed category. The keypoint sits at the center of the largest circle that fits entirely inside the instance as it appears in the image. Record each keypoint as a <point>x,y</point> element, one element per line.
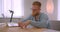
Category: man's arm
<point>24,22</point>
<point>43,23</point>
<point>27,18</point>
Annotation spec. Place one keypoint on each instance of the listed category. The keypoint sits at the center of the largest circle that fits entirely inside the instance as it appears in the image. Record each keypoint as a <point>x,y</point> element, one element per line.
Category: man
<point>36,19</point>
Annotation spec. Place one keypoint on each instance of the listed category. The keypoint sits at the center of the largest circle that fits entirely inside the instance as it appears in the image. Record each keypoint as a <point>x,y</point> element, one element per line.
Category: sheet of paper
<point>12,24</point>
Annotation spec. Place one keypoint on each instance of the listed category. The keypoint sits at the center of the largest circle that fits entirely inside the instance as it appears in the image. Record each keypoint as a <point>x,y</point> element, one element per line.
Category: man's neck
<point>36,17</point>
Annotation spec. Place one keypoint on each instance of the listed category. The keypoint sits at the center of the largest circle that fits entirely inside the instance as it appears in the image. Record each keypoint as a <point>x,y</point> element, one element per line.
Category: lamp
<point>50,6</point>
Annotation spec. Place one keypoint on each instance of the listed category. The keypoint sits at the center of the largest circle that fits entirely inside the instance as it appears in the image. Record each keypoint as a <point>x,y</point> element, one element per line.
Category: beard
<point>35,14</point>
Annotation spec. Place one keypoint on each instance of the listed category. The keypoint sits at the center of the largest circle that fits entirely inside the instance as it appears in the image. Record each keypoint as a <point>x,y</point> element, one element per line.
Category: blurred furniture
<point>55,24</point>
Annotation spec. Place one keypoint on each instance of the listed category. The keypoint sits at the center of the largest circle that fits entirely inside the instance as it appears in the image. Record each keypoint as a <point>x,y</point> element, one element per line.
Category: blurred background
<point>22,9</point>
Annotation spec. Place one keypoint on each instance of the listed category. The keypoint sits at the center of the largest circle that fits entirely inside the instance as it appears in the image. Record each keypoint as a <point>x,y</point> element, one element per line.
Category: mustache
<point>37,14</point>
<point>33,8</point>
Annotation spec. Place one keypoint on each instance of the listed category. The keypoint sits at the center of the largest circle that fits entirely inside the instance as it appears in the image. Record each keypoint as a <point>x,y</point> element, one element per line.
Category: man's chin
<point>35,14</point>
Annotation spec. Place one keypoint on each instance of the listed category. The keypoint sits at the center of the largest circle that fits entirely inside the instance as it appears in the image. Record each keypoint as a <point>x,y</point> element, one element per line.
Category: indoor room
<point>29,15</point>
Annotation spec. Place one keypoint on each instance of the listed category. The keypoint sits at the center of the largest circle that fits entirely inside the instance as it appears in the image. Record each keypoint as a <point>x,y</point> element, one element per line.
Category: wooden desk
<point>18,29</point>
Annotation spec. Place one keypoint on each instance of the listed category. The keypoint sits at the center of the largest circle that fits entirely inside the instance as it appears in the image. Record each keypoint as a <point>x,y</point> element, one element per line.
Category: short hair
<point>37,3</point>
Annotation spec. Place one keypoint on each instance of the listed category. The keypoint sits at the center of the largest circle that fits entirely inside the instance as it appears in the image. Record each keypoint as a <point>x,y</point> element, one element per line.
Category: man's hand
<point>24,24</point>
<point>21,24</point>
<point>27,23</point>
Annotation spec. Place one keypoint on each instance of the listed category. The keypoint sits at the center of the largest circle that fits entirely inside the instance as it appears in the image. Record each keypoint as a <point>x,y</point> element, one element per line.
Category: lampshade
<point>50,6</point>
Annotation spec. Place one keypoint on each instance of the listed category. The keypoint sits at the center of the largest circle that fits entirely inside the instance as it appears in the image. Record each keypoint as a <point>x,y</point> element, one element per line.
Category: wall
<point>28,5</point>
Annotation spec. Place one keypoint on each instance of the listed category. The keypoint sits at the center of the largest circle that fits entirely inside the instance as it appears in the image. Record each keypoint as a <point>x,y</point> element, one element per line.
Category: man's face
<point>35,9</point>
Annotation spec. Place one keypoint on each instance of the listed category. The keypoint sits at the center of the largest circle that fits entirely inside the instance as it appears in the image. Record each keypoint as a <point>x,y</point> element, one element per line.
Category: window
<point>58,17</point>
<point>14,5</point>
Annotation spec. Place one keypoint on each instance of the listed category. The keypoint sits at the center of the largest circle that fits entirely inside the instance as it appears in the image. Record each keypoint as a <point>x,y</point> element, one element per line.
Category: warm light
<point>50,6</point>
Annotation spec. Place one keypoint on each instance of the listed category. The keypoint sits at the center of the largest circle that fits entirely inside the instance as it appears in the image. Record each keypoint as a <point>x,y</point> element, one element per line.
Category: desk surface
<point>18,29</point>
